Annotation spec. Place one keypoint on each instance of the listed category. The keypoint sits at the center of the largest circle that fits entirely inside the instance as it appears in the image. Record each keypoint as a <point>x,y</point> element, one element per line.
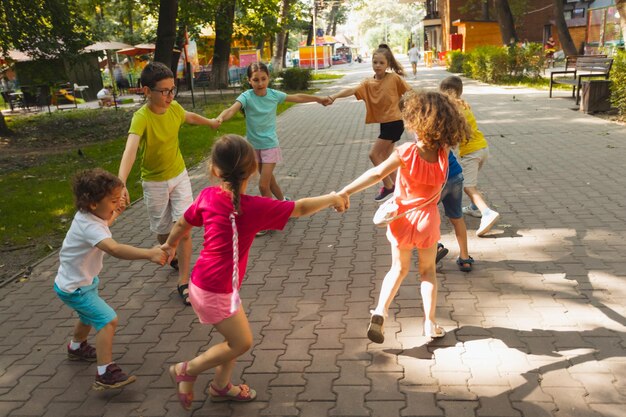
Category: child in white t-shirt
<point>97,194</point>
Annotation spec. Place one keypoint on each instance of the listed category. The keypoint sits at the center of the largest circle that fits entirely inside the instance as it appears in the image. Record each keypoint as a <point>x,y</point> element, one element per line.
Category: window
<point>578,13</point>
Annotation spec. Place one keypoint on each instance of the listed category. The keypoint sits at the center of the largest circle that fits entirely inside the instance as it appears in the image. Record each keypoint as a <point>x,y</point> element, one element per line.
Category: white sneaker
<point>487,222</point>
<point>471,212</point>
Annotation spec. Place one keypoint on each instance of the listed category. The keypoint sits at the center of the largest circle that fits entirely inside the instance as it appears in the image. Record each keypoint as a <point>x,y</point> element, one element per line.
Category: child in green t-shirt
<point>166,186</point>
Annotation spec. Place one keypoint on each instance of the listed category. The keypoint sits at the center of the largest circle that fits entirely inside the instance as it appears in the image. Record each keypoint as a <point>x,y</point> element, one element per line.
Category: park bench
<point>570,60</point>
<point>585,67</point>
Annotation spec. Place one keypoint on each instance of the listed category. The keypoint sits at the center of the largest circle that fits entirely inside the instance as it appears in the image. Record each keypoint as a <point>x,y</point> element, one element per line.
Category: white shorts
<point>471,164</point>
<point>167,201</point>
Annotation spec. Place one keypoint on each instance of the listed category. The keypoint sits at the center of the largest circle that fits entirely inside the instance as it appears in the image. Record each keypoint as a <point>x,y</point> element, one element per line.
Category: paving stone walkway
<point>537,329</point>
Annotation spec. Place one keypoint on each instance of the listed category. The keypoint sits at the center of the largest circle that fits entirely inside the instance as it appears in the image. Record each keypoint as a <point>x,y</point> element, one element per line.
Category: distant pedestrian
<point>259,105</point>
<point>438,125</point>
<point>231,219</point>
<point>474,154</point>
<point>153,137</point>
<point>98,197</point>
<point>382,94</point>
<point>105,96</point>
<point>414,56</point>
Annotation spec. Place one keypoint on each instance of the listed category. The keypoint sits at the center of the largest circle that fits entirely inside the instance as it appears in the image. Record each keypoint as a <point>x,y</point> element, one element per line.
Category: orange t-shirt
<point>382,97</point>
<point>417,181</point>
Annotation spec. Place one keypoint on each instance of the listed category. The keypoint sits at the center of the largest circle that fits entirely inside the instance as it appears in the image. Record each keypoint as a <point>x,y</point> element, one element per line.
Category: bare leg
<point>428,276</point>
<point>81,331</point>
<point>460,230</point>
<point>238,340</point>
<point>476,197</point>
<point>104,343</point>
<point>381,150</point>
<point>267,182</point>
<point>400,264</point>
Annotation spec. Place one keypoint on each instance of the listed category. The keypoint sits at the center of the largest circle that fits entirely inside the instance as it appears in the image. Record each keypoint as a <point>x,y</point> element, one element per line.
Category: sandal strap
<point>222,392</point>
<point>183,377</point>
<point>469,260</point>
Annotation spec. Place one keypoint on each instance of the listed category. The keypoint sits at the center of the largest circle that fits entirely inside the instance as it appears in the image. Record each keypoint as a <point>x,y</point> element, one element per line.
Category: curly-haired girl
<point>422,167</point>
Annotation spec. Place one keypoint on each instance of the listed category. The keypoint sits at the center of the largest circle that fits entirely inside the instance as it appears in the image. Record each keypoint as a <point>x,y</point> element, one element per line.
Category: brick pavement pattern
<point>537,329</point>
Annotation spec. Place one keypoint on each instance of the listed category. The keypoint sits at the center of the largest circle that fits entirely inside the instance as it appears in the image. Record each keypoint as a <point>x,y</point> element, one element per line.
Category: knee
<point>264,188</point>
<point>112,324</point>
<point>242,346</point>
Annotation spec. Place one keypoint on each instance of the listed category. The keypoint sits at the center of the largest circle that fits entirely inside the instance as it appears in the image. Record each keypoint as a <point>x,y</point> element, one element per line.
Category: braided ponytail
<point>233,161</point>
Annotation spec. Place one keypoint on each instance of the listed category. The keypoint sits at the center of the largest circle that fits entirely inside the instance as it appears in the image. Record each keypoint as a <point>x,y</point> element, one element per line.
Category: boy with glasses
<point>166,186</point>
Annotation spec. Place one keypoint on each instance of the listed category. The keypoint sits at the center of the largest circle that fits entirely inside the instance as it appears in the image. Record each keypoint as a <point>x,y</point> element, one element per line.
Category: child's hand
<point>339,204</point>
<point>327,101</point>
<point>345,198</point>
<point>215,123</point>
<point>158,255</point>
<point>169,251</point>
<point>125,197</point>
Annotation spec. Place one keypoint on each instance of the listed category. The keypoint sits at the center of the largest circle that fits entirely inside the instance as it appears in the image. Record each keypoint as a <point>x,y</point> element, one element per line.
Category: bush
<point>496,64</point>
<point>296,78</point>
<point>618,85</point>
<point>455,61</point>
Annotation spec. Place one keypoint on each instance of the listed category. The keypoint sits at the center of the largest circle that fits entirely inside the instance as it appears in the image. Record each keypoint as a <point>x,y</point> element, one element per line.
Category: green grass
<point>36,203</point>
<point>326,76</point>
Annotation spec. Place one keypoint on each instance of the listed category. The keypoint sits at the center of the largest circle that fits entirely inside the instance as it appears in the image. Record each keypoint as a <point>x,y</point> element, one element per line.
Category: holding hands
<point>327,101</point>
<point>158,255</point>
<point>215,123</point>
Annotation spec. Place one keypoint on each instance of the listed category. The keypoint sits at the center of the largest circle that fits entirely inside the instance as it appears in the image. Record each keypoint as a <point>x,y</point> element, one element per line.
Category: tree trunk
<point>309,35</point>
<point>277,59</point>
<point>224,17</point>
<point>485,10</point>
<point>621,8</point>
<point>565,39</point>
<point>332,17</point>
<point>505,21</point>
<point>4,129</point>
<point>284,57</point>
<point>166,31</point>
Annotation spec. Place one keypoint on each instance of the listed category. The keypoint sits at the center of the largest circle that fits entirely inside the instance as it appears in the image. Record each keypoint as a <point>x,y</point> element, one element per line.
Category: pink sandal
<point>219,395</point>
<point>185,399</point>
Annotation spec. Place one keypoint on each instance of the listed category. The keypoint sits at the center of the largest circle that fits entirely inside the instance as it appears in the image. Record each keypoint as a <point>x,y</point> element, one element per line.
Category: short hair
<point>90,186</point>
<point>154,72</point>
<point>452,84</point>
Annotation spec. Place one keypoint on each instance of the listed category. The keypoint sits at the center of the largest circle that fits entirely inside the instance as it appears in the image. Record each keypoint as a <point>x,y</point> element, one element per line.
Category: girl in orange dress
<point>438,125</point>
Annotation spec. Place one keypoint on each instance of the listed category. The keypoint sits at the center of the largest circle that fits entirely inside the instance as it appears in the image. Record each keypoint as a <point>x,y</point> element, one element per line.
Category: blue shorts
<point>452,196</point>
<point>92,310</point>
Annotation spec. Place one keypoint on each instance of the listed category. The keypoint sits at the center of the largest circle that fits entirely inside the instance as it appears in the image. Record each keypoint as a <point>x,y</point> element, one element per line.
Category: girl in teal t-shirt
<point>259,105</point>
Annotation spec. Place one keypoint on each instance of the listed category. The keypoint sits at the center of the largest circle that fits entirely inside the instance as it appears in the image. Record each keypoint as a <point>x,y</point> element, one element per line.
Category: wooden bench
<point>585,67</point>
<point>570,60</point>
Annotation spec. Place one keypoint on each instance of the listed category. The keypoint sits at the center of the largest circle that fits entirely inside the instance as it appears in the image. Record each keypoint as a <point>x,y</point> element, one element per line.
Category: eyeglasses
<point>165,93</point>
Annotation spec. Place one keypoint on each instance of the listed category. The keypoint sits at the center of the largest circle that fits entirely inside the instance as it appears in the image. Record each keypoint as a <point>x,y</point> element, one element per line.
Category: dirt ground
<point>35,139</point>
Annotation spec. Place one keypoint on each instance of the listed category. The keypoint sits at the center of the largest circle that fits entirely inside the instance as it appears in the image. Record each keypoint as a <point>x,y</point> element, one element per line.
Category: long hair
<point>233,161</point>
<point>435,118</point>
<point>385,51</point>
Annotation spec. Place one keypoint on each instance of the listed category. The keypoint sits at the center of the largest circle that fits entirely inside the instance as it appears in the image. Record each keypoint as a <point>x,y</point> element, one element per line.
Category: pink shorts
<point>269,156</point>
<point>210,307</point>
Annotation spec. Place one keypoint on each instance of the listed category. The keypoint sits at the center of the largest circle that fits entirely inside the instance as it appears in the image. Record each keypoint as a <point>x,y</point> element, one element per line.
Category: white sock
<point>103,368</point>
<point>486,211</point>
<point>74,345</point>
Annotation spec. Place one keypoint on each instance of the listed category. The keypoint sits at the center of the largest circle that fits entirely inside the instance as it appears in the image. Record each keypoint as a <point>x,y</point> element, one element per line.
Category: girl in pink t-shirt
<point>230,219</point>
<point>422,167</point>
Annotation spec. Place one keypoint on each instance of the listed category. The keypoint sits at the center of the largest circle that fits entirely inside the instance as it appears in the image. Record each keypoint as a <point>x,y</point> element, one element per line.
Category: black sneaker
<point>112,378</point>
<point>85,352</point>
<point>384,194</point>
